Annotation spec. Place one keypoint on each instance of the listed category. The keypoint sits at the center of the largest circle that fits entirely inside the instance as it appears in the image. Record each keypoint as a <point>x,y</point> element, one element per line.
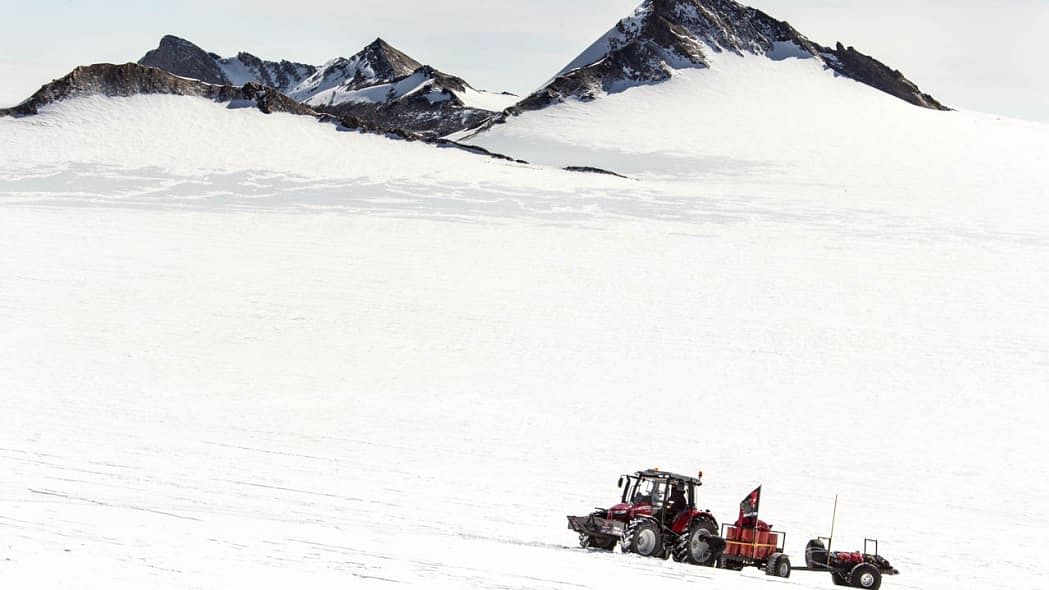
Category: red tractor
<point>656,517</point>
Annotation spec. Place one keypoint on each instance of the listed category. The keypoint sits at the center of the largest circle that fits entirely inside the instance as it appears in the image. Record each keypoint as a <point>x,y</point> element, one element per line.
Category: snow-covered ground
<point>240,350</point>
<point>792,128</point>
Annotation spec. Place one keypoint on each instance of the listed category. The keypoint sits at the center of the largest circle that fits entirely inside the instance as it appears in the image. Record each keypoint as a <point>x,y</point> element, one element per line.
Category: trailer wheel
<point>865,576</point>
<point>778,565</point>
<point>727,564</point>
<point>770,564</point>
<point>642,536</point>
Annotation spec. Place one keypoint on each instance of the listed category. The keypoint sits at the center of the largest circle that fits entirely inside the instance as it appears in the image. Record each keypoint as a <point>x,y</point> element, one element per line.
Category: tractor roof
<point>655,473</point>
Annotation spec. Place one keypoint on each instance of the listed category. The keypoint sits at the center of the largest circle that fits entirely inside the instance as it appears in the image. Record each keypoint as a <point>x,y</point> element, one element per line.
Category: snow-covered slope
<point>240,350</point>
<point>791,127</point>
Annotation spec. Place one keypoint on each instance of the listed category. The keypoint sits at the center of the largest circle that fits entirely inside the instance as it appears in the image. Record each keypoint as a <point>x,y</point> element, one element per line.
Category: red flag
<point>748,508</point>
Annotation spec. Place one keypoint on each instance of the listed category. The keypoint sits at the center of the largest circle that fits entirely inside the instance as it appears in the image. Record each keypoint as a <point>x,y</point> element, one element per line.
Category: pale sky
<point>984,56</point>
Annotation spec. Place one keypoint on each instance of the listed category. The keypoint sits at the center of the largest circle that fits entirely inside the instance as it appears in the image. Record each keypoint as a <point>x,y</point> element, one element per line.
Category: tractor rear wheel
<point>642,536</point>
<point>865,576</point>
<point>696,546</point>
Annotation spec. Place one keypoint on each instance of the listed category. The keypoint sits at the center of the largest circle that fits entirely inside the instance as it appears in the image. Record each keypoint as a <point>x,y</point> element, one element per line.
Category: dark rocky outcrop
<point>663,35</point>
<point>432,108</point>
<point>182,58</point>
<point>593,170</point>
<point>863,68</point>
<point>282,75</point>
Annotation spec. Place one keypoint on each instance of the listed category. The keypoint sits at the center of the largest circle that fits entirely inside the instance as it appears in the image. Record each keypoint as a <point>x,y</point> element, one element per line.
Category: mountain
<point>377,63</point>
<point>385,86</point>
<point>664,36</point>
<point>185,59</point>
<point>135,79</point>
<point>130,80</point>
<point>380,85</point>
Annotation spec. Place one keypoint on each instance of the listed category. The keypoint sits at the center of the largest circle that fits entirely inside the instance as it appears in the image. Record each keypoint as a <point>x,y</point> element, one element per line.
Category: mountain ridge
<point>380,85</point>
<point>132,79</point>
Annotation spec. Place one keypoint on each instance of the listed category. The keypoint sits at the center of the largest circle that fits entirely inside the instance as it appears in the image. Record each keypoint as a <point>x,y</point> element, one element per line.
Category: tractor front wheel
<point>642,536</point>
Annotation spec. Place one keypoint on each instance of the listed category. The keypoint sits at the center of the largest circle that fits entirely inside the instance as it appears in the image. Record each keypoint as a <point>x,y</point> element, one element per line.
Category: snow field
<point>225,362</point>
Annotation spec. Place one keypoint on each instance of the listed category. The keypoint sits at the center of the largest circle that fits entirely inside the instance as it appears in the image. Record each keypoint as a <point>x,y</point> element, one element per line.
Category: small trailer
<point>755,546</point>
<point>752,543</point>
<point>848,568</point>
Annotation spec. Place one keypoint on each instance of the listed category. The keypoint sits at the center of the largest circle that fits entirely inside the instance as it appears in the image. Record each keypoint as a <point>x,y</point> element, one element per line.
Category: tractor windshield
<point>648,491</point>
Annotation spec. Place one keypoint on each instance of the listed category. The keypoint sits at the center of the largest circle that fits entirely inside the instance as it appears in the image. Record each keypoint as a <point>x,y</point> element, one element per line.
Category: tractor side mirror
<point>620,484</point>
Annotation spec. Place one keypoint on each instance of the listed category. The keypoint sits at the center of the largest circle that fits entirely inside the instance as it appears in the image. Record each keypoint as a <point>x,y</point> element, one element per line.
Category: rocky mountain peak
<point>386,61</point>
<point>183,58</point>
<point>664,35</point>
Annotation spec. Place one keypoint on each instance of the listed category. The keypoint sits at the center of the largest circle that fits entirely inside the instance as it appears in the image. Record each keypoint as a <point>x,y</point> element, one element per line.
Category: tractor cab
<point>659,494</point>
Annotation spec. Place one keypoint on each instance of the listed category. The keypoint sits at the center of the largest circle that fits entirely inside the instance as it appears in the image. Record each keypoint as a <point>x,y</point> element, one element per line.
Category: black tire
<point>778,565</point>
<point>728,564</point>
<point>701,544</point>
<point>865,576</point>
<point>783,568</point>
<point>816,554</point>
<point>770,564</point>
<point>642,536</point>
<point>675,550</point>
<point>839,579</point>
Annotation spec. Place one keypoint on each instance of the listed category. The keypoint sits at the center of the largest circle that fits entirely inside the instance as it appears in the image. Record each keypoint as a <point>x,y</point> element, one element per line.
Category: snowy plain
<point>240,350</point>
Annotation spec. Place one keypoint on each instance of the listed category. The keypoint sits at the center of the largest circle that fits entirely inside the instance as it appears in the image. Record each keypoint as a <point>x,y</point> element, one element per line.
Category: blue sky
<point>975,55</point>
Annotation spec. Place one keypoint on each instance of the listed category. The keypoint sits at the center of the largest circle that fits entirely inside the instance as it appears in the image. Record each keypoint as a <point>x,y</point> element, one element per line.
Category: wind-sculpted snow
<point>365,363</point>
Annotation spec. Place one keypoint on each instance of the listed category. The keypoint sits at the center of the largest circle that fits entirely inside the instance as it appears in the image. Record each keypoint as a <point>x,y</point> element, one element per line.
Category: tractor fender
<point>706,515</point>
<point>683,523</point>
